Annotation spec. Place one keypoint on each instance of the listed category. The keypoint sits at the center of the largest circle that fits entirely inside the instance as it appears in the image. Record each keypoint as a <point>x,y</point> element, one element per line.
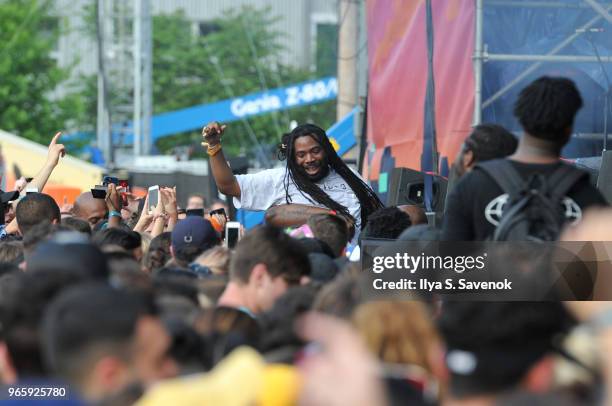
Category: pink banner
<point>397,52</point>
<point>453,72</point>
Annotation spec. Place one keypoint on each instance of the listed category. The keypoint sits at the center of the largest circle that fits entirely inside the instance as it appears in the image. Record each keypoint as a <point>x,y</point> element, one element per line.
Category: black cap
<point>6,197</point>
<point>194,232</point>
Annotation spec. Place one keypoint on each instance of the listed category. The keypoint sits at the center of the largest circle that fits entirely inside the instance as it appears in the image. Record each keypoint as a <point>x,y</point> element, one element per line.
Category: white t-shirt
<point>265,189</point>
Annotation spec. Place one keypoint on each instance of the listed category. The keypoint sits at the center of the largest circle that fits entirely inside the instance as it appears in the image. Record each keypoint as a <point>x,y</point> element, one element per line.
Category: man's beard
<point>323,172</point>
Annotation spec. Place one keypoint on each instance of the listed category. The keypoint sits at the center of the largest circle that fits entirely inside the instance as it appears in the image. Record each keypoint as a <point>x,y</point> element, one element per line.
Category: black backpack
<point>534,210</point>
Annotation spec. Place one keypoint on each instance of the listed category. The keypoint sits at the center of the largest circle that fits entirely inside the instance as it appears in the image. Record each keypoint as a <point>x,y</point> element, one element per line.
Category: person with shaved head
<point>96,211</point>
<point>90,209</point>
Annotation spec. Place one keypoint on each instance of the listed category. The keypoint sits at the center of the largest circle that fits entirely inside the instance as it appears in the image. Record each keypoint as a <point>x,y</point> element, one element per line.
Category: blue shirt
<point>3,232</point>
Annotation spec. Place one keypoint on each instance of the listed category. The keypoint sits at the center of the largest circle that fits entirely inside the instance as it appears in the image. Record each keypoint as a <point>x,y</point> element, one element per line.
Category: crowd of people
<point>123,300</point>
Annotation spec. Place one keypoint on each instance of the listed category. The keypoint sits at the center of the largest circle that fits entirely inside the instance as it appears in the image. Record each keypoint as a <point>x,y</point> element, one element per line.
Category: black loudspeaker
<point>407,186</point>
<point>604,180</point>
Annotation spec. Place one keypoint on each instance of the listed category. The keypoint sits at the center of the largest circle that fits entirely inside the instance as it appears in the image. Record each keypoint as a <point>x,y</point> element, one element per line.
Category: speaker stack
<point>407,186</point>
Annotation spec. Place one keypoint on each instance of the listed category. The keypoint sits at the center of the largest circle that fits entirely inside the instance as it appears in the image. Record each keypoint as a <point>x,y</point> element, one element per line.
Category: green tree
<point>29,76</point>
<point>230,56</point>
<point>239,54</point>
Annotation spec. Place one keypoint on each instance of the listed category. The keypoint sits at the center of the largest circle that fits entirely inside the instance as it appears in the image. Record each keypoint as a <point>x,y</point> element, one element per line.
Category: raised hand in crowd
<point>55,150</point>
<point>163,217</point>
<point>130,211</point>
<point>222,173</point>
<point>145,219</point>
<point>20,184</point>
<point>212,134</point>
<point>54,153</point>
<point>218,222</point>
<point>113,205</point>
<point>159,218</point>
<point>168,199</point>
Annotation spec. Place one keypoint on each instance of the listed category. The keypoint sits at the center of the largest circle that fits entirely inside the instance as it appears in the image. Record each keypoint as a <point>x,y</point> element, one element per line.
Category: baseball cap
<point>194,232</point>
<point>6,197</point>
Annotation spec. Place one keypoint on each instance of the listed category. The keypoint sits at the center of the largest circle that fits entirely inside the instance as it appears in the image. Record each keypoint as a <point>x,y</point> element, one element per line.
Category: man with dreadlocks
<point>315,180</point>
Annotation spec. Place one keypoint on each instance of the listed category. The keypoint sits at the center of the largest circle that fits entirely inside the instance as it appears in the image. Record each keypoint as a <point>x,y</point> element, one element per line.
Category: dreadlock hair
<point>368,200</point>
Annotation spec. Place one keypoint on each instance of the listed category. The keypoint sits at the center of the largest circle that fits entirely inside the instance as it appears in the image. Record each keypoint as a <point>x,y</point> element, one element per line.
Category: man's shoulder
<point>473,190</point>
<point>279,170</point>
<point>274,173</point>
<point>476,178</point>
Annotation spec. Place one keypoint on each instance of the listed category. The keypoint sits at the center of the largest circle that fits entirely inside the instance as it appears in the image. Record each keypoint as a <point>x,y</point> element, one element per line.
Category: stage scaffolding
<point>125,61</point>
<point>481,54</point>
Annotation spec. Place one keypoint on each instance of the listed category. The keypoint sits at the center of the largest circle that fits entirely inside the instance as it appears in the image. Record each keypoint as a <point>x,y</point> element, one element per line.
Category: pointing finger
<point>56,137</point>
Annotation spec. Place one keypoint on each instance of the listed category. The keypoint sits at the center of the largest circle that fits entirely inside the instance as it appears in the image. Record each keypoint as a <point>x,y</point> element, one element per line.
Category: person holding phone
<point>98,211</point>
<point>218,218</point>
<point>159,211</point>
<point>314,180</point>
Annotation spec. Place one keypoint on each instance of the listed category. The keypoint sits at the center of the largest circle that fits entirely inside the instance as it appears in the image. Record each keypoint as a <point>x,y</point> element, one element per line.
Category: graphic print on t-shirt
<point>495,209</point>
<point>327,187</point>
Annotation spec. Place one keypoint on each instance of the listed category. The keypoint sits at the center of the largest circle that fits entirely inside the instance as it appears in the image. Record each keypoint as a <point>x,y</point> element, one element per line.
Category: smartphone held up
<point>232,233</point>
<point>153,198</point>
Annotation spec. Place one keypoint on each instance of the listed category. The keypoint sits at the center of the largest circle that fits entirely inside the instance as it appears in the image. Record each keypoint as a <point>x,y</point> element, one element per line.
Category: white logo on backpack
<point>495,209</point>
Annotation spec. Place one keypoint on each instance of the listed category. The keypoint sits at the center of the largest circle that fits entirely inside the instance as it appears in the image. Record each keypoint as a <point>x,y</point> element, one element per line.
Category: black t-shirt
<point>474,206</point>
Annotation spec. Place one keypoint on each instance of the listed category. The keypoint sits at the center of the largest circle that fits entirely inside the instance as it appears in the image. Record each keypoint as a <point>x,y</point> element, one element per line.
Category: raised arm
<point>40,180</point>
<point>291,215</point>
<point>53,155</point>
<point>224,178</point>
<point>113,205</point>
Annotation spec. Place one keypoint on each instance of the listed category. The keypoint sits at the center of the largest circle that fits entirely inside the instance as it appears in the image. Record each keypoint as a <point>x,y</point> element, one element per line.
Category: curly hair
<point>546,108</point>
<point>388,222</point>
